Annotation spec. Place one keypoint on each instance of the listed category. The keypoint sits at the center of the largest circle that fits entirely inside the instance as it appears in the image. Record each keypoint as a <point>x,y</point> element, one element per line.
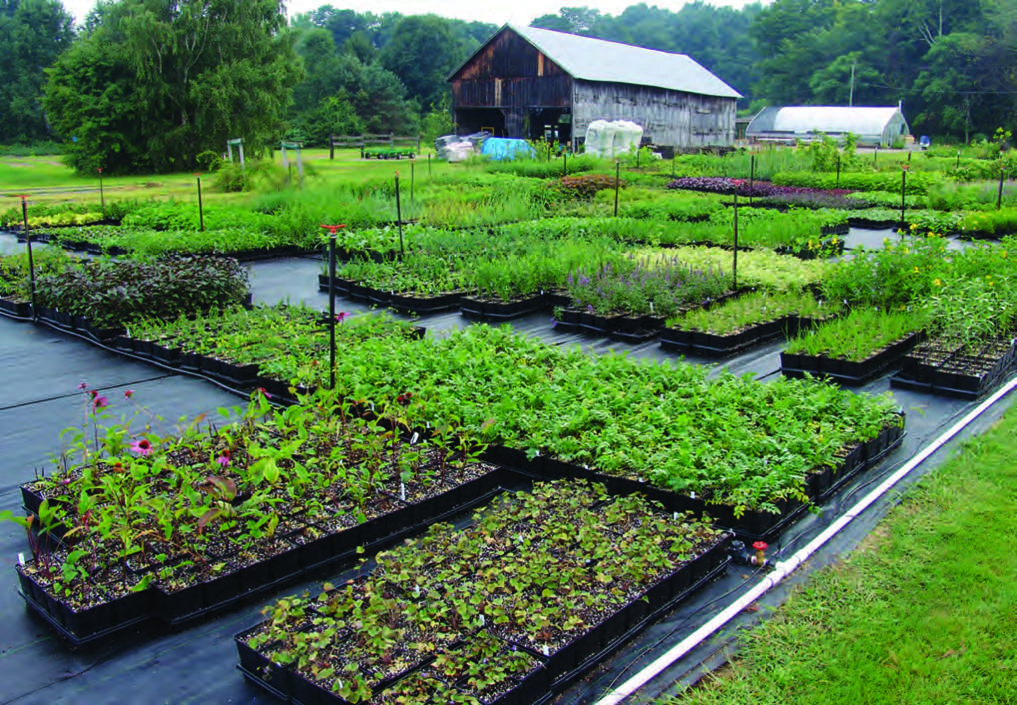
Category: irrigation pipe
<point>784,568</point>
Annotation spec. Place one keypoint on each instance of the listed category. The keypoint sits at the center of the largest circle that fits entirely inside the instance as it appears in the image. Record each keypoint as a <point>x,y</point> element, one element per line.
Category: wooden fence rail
<point>363,141</point>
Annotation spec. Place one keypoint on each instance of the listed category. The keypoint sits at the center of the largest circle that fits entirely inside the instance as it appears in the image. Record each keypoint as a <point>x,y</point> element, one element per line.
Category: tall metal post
<point>734,268</point>
<point>617,179</point>
<point>31,259</point>
<point>413,176</point>
<point>201,211</point>
<point>999,198</point>
<point>903,190</point>
<point>331,302</point>
<point>331,311</point>
<point>399,218</point>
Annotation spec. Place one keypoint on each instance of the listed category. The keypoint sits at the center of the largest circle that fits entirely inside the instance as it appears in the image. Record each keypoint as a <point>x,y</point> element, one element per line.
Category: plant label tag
<point>415,438</point>
<point>372,406</point>
<point>692,495</point>
<point>544,650</point>
<point>21,559</point>
<point>402,491</point>
<point>651,307</point>
<point>483,621</point>
<point>427,425</point>
<point>676,516</point>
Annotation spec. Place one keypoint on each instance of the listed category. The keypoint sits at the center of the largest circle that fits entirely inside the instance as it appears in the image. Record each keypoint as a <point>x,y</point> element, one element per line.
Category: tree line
<point>160,85</point>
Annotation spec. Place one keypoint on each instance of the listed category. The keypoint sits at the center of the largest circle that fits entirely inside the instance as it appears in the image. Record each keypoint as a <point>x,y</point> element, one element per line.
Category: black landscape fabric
<point>40,369</point>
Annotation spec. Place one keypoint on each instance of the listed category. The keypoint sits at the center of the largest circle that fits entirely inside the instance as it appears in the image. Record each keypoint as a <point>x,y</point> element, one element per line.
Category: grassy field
<point>48,180</point>
<point>924,612</point>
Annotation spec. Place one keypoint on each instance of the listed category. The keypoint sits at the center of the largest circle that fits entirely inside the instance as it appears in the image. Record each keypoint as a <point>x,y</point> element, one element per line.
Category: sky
<point>520,12</point>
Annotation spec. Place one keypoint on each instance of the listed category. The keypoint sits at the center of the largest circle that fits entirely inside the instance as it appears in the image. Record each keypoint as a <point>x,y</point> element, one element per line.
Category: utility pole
<point>851,97</point>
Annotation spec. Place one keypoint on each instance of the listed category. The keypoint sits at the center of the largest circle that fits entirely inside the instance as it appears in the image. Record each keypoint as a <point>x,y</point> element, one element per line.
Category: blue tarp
<point>499,148</point>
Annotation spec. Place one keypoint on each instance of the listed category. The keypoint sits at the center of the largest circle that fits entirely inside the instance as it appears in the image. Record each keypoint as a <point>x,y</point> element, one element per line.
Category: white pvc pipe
<point>785,568</point>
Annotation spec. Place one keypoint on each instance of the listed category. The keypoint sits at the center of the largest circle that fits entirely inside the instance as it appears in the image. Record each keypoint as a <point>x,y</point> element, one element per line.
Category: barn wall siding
<point>509,74</point>
<point>667,117</point>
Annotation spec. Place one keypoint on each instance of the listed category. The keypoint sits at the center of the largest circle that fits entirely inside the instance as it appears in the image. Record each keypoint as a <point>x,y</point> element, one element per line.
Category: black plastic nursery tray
<point>847,372</point>
<point>956,372</point>
<point>420,304</point>
<point>628,329</point>
<point>198,600</point>
<point>714,345</point>
<point>752,525</point>
<point>495,310</point>
<point>556,670</point>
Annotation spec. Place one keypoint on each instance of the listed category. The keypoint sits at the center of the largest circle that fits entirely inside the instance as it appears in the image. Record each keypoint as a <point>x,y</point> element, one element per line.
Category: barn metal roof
<point>822,118</point>
<point>590,59</point>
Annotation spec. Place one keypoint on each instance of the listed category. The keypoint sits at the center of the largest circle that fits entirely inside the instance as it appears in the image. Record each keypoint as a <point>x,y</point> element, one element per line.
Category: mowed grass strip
<point>924,612</point>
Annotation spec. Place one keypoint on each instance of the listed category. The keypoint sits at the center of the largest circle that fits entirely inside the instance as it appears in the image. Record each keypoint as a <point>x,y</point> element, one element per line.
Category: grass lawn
<point>48,180</point>
<point>924,612</point>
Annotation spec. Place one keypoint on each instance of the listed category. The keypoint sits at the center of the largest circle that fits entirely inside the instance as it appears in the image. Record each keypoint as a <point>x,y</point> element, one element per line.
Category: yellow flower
<point>937,281</point>
<point>916,270</point>
<point>991,283</point>
<point>914,226</point>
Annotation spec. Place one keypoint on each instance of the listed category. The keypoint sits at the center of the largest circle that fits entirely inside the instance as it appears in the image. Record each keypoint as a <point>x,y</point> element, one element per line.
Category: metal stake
<point>331,302</point>
<point>399,218</point>
<point>999,199</point>
<point>201,211</point>
<point>31,259</point>
<point>735,264</point>
<point>617,178</point>
<point>903,187</point>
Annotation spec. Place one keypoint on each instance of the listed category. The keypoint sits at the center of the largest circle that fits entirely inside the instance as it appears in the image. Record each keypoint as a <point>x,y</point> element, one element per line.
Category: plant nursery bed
<point>298,560</point>
<point>750,525</point>
<point>79,324</point>
<point>535,592</point>
<point>629,329</point>
<point>940,367</point>
<point>715,345</point>
<point>18,309</point>
<point>495,310</point>
<point>421,304</point>
<point>848,372</point>
<point>215,523</point>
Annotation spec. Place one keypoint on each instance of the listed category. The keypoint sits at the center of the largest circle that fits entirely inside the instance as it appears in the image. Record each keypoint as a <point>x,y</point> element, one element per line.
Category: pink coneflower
<point>342,316</point>
<point>264,391</point>
<point>83,385</point>
<point>142,447</point>
<point>99,403</point>
<point>128,394</point>
<point>224,459</point>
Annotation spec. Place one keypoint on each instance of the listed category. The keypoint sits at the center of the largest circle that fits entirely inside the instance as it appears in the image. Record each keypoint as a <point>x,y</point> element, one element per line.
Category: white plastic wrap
<point>599,138</point>
<point>611,139</point>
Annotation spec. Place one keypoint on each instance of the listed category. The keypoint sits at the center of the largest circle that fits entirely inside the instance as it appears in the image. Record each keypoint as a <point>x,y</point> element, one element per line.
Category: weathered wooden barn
<point>539,84</point>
